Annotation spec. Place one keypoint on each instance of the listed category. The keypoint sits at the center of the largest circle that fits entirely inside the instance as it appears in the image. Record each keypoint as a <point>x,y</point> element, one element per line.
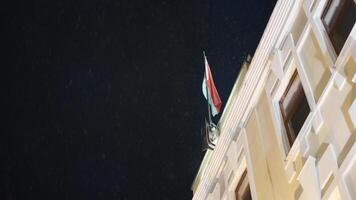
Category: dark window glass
<point>243,191</point>
<point>294,107</point>
<point>339,17</point>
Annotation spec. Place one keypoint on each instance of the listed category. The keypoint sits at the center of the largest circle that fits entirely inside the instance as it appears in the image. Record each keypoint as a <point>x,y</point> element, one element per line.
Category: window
<point>242,191</point>
<point>294,108</point>
<point>339,17</point>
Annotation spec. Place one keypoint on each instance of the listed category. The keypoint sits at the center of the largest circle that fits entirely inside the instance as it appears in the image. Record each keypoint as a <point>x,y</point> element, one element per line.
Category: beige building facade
<point>288,130</point>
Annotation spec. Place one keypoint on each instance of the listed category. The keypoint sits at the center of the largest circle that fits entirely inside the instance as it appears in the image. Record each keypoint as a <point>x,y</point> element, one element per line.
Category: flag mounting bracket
<point>209,133</point>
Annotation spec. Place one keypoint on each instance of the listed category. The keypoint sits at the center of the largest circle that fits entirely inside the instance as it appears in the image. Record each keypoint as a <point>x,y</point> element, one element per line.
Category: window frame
<point>294,103</point>
<point>337,16</point>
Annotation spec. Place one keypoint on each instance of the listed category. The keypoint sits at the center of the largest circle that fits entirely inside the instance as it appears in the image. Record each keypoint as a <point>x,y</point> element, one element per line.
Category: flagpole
<point>206,88</point>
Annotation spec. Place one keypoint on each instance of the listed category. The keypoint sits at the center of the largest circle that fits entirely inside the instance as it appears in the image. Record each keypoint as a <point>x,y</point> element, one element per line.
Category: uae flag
<point>209,90</point>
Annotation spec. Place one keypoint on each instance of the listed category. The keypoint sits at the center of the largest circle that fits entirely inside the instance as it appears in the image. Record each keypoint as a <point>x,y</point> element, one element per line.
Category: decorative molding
<point>317,121</point>
<point>246,92</point>
<point>352,113</point>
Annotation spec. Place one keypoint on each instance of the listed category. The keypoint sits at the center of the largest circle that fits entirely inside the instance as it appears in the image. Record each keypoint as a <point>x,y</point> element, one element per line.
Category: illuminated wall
<point>259,132</point>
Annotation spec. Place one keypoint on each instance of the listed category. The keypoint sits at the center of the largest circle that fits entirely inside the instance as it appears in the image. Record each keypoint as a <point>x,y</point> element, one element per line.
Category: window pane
<point>291,96</point>
<point>300,115</point>
<point>331,12</point>
<point>243,191</point>
<point>294,107</point>
<point>339,17</point>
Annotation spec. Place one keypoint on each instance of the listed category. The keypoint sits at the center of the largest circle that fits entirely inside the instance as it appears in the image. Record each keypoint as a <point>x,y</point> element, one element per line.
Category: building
<point>288,130</point>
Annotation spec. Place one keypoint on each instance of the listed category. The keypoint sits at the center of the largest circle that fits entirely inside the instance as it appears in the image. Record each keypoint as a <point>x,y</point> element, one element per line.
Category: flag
<point>211,95</point>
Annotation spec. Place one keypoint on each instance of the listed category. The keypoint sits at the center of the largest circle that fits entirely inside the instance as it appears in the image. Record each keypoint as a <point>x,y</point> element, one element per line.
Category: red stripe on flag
<point>212,89</point>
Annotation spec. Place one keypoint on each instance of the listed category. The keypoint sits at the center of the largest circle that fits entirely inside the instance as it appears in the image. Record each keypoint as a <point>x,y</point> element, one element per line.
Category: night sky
<point>103,100</point>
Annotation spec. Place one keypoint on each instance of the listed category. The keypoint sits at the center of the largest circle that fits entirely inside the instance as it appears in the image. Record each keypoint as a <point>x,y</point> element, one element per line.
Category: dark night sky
<point>103,98</point>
